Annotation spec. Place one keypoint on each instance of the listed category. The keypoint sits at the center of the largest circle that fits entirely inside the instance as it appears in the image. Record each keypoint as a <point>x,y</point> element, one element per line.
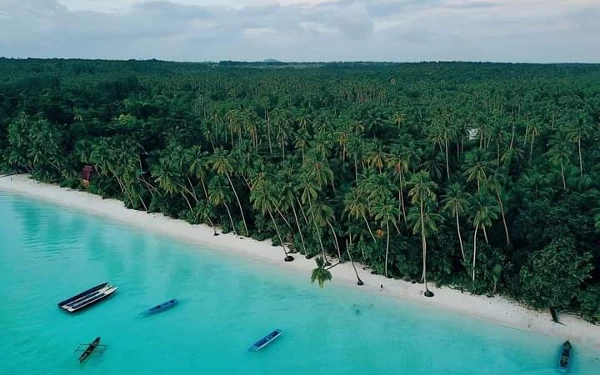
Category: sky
<point>543,31</point>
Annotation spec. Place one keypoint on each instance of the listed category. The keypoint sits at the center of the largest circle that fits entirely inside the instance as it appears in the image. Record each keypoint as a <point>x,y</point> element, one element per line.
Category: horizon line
<point>308,62</point>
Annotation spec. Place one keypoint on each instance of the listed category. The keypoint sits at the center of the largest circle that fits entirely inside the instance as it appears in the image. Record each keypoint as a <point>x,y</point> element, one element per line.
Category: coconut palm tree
<point>559,155</point>
<point>309,192</point>
<point>263,199</point>
<point>223,167</point>
<point>386,212</point>
<point>456,203</point>
<point>578,129</point>
<point>484,211</point>
<point>198,165</point>
<point>422,194</point>
<point>495,183</point>
<point>356,206</point>
<point>478,167</point>
<point>320,274</point>
<point>218,195</point>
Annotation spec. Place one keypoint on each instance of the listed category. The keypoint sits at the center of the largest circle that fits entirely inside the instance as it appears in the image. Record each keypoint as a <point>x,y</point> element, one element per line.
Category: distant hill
<point>271,61</point>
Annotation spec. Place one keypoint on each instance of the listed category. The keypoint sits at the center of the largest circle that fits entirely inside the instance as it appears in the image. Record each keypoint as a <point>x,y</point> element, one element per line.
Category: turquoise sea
<point>48,253</point>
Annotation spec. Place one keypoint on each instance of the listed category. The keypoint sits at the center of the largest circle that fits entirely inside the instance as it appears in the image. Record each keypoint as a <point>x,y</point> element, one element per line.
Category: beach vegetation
<point>484,177</point>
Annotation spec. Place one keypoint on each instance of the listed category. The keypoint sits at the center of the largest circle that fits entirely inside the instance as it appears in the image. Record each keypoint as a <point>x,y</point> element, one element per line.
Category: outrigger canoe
<point>565,357</point>
<point>89,349</point>
<point>266,340</point>
<point>159,308</point>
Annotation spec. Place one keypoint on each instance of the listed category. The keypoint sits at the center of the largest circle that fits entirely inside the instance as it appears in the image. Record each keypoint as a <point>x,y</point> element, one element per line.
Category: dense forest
<point>484,177</point>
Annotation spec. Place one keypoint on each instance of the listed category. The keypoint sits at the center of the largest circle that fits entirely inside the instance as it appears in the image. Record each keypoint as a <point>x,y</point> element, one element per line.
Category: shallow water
<point>48,253</point>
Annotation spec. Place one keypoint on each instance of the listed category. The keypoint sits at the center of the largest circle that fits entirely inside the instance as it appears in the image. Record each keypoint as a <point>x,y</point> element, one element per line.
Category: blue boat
<point>565,357</point>
<point>159,308</point>
<point>266,340</point>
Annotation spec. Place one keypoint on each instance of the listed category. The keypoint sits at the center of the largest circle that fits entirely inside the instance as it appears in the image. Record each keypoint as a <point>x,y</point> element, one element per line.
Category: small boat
<point>266,340</point>
<point>87,298</point>
<point>565,357</point>
<point>89,349</point>
<point>159,308</point>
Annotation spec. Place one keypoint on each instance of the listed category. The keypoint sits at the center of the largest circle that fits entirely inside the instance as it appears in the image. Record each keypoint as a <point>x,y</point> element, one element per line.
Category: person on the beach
<point>381,287</point>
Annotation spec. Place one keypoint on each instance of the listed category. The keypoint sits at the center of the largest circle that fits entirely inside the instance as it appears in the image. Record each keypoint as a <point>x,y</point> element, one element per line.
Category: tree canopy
<point>478,175</point>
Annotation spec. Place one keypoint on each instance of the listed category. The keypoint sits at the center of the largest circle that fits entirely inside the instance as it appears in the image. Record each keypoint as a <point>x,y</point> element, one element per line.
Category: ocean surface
<point>49,253</point>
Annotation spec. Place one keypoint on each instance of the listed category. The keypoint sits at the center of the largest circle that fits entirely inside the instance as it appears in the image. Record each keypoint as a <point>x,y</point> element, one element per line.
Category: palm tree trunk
<point>447,162</point>
<point>317,229</point>
<point>503,216</point>
<point>580,157</point>
<point>204,187</point>
<point>562,172</point>
<point>369,228</point>
<point>302,210</point>
<point>239,204</point>
<point>192,188</point>
<point>424,244</point>
<point>387,249</point>
<point>284,219</point>
<point>485,234</point>
<point>278,234</point>
<point>401,196</point>
<point>230,218</point>
<point>460,241</point>
<point>187,201</point>
<point>498,152</point>
<point>474,250</point>
<point>348,250</point>
<point>122,186</point>
<point>269,132</point>
<point>531,148</point>
<point>299,230</point>
<point>213,226</point>
<point>335,239</point>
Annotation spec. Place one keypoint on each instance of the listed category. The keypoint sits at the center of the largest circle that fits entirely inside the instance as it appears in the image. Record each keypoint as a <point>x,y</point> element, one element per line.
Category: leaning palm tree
<point>356,206</point>
<point>320,274</point>
<point>422,194</point>
<point>483,212</point>
<point>217,193</point>
<point>456,202</point>
<point>559,155</point>
<point>386,212</point>
<point>223,166</point>
<point>310,191</point>
<point>263,199</point>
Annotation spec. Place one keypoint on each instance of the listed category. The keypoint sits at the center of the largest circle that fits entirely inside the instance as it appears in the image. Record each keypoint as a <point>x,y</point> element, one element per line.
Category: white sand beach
<point>496,309</point>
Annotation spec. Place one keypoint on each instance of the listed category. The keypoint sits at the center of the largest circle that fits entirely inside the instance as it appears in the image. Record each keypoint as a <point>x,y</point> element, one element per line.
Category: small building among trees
<point>86,175</point>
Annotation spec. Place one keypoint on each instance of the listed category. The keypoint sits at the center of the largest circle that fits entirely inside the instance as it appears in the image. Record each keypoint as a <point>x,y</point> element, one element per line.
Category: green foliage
<point>320,274</point>
<point>457,172</point>
<point>589,303</point>
<point>555,274</point>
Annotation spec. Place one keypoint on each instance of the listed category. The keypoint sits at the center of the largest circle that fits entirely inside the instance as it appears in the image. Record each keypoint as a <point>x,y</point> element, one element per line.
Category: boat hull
<point>268,339</point>
<point>87,298</point>
<point>160,308</point>
<point>565,357</point>
<point>89,350</point>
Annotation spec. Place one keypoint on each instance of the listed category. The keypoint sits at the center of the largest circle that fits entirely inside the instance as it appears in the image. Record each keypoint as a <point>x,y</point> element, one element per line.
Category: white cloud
<point>300,30</point>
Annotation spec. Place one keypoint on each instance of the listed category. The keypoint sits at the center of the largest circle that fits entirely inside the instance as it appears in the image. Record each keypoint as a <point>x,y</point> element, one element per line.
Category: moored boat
<point>266,340</point>
<point>162,307</point>
<point>89,349</point>
<point>87,298</point>
<point>564,362</point>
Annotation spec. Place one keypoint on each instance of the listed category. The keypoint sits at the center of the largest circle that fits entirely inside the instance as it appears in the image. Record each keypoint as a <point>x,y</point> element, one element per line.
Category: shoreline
<point>498,310</point>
